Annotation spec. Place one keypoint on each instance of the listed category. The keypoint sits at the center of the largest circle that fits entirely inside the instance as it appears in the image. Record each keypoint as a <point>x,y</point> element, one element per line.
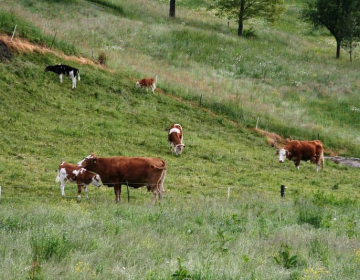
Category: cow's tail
<point>163,167</point>
<point>322,160</point>
<point>161,182</point>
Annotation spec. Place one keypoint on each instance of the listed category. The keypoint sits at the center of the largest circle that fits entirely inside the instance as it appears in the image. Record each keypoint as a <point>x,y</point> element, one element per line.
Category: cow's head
<point>137,84</point>
<point>179,148</point>
<point>283,154</point>
<point>88,161</point>
<point>96,180</point>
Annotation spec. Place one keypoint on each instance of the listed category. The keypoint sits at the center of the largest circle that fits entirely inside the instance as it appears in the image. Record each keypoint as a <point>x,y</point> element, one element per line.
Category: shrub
<point>49,245</point>
<point>284,258</point>
<point>102,58</point>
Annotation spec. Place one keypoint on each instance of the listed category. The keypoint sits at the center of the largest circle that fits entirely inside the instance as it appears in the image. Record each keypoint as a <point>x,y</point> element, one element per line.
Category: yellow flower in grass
<point>82,267</point>
<point>357,256</point>
<point>314,273</point>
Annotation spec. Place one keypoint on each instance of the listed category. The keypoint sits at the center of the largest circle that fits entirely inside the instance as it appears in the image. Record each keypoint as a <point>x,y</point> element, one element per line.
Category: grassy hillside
<point>196,232</point>
<point>44,122</point>
<point>287,75</point>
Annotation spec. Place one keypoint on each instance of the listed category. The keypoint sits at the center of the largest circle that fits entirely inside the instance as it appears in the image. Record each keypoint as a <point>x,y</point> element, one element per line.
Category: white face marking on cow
<point>174,129</point>
<point>81,162</point>
<point>282,155</point>
<point>96,180</point>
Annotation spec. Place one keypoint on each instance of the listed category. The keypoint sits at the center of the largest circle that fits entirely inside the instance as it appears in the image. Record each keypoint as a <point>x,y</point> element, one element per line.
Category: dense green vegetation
<point>197,232</point>
<point>287,75</point>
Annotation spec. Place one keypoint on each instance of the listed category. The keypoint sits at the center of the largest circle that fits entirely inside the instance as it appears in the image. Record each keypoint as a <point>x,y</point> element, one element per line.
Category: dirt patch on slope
<point>23,46</point>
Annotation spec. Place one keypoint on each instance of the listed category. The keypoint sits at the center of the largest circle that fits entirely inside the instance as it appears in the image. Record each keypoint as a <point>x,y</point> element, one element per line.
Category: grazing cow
<point>74,173</point>
<point>147,83</point>
<point>303,150</point>
<point>175,138</point>
<point>66,70</point>
<point>132,171</point>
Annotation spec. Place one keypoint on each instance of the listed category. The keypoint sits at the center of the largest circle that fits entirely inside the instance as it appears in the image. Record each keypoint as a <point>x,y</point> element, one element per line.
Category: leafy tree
<point>335,16</point>
<point>242,10</point>
<point>352,33</point>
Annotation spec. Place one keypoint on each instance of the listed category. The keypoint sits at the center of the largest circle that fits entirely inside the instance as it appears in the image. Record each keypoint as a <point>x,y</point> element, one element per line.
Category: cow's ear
<point>277,152</point>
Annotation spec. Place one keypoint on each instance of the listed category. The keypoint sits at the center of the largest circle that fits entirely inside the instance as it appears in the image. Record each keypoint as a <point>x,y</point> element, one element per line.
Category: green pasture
<point>222,216</point>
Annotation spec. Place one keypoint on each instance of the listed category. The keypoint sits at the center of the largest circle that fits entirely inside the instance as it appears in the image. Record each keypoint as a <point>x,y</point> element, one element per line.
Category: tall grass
<point>24,29</point>
<point>278,76</point>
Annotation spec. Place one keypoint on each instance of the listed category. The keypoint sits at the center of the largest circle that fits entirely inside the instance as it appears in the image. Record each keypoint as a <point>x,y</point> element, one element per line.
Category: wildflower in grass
<point>82,267</point>
<point>357,256</point>
<point>314,273</point>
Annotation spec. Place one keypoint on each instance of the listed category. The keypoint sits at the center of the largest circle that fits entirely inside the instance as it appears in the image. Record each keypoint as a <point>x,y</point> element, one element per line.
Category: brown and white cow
<point>147,83</point>
<point>175,138</point>
<point>135,172</point>
<point>303,150</point>
<point>73,173</point>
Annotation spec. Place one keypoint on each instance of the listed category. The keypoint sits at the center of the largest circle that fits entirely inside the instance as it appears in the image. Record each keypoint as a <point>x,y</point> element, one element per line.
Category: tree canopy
<point>340,17</point>
<point>242,10</point>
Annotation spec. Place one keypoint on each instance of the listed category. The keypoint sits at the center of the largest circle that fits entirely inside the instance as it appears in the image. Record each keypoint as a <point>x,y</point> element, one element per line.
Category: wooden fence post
<point>52,43</point>
<point>13,32</point>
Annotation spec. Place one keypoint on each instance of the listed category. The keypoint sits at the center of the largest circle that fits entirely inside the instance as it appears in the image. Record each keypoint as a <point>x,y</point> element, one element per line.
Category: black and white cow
<point>66,70</point>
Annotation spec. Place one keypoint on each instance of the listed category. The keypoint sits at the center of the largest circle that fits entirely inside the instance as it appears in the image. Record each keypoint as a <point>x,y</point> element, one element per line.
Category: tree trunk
<point>172,9</point>
<point>338,44</point>
<point>241,18</point>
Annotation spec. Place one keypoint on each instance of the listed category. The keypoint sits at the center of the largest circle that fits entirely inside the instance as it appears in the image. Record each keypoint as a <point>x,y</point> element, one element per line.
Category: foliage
<point>340,17</point>
<point>102,58</point>
<point>242,10</point>
<point>284,257</point>
<point>181,273</point>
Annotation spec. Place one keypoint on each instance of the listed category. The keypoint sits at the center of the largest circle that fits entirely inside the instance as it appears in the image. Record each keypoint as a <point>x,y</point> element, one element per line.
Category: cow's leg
<point>62,188</point>
<point>73,79</point>
<point>297,163</point>
<point>154,195</point>
<point>117,190</point>
<point>79,190</point>
<point>86,191</point>
<point>60,76</point>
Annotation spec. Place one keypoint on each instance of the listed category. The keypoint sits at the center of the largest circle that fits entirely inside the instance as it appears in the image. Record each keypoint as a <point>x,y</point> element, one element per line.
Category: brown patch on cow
<point>5,52</point>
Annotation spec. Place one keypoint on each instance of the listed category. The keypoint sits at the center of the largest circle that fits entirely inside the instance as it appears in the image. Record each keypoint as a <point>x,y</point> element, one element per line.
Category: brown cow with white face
<point>303,150</point>
<point>73,173</point>
<point>135,172</point>
<point>175,138</point>
<point>147,83</point>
